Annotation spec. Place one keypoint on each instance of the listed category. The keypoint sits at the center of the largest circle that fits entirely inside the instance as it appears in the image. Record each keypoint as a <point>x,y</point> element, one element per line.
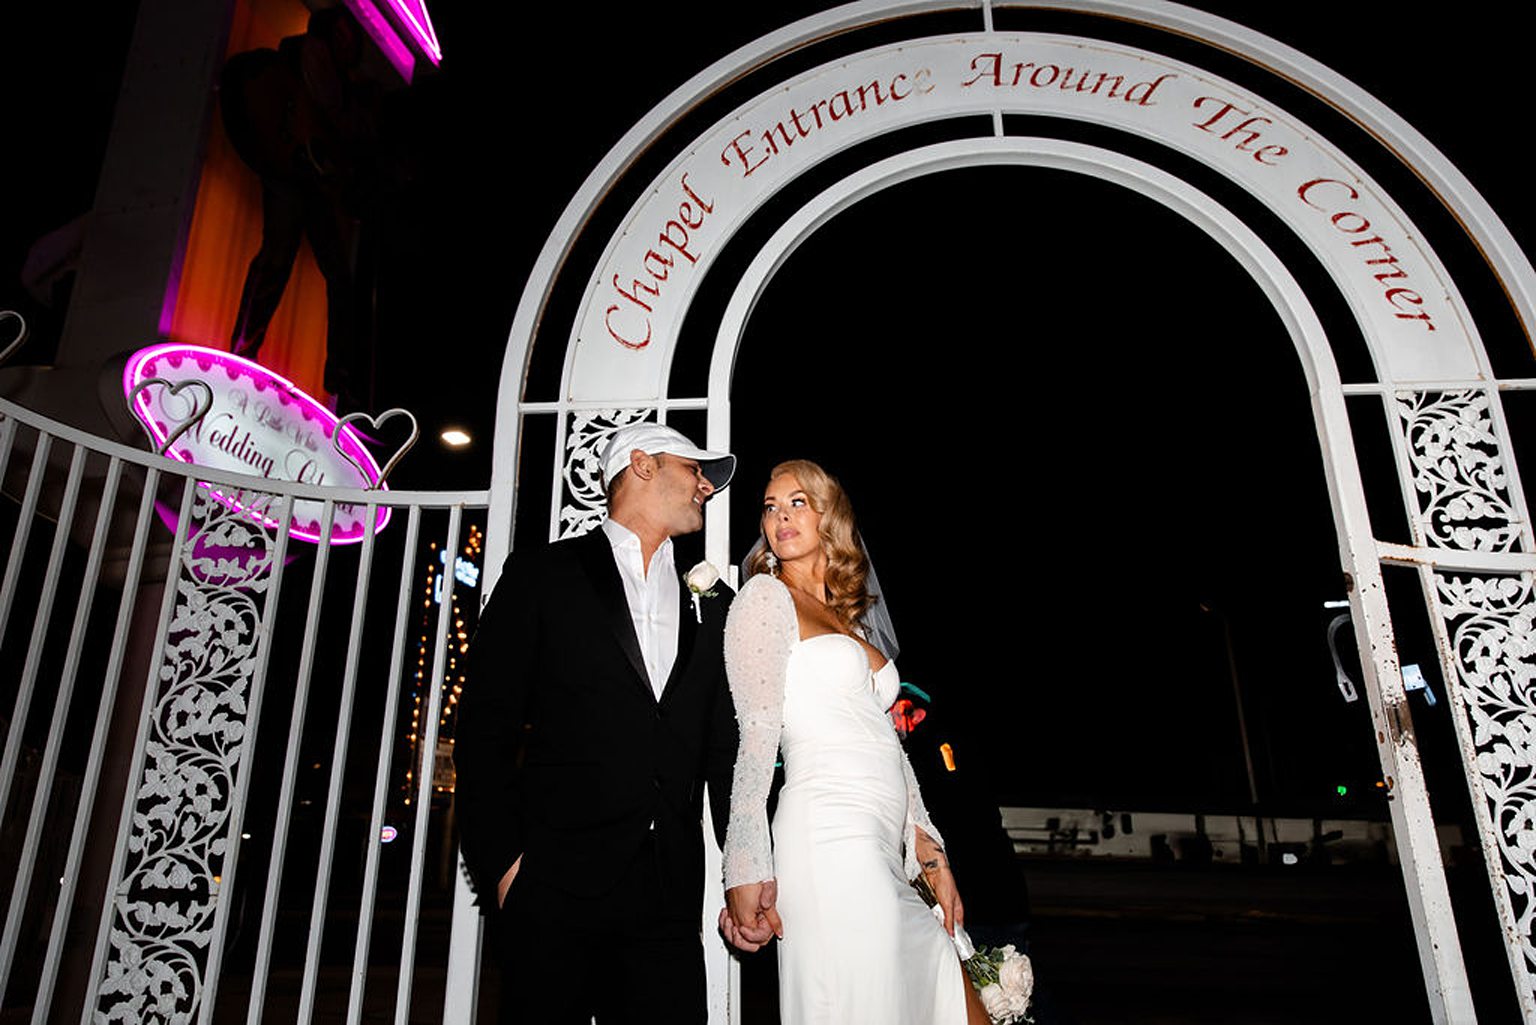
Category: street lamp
<point>1242,724</point>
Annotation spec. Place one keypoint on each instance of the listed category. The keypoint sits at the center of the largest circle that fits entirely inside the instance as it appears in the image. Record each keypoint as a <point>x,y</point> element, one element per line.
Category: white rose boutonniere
<point>700,580</point>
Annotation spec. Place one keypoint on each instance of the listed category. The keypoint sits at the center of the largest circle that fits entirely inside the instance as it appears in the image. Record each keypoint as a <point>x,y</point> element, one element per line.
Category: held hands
<point>750,917</point>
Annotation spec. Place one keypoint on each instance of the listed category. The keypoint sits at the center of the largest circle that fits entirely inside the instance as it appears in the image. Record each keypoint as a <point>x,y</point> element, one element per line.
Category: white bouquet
<point>1005,980</point>
<point>1003,977</point>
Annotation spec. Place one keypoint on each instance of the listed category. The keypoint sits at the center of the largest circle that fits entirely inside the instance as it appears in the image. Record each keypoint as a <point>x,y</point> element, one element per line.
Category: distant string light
<point>466,575</point>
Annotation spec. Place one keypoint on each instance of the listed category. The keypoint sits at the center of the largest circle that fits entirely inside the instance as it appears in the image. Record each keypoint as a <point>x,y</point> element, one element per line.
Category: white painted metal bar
<point>1413,824</point>
<point>986,26</point>
<point>243,784</point>
<point>662,403</point>
<point>62,696</point>
<point>7,440</point>
<point>105,708</point>
<point>35,646</point>
<point>424,767</point>
<point>1392,388</point>
<point>1476,384</point>
<point>381,776</point>
<point>1456,560</point>
<point>557,482</point>
<point>19,541</point>
<point>146,712</point>
<point>1513,384</point>
<point>331,812</point>
<point>279,852</point>
<point>461,986</point>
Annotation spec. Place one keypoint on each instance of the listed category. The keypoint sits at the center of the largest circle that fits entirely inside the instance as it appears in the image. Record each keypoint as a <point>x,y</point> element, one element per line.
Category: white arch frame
<point>1460,615</point>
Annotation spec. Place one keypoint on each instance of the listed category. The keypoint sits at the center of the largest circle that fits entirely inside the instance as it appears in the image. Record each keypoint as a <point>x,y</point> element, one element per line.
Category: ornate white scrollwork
<point>1458,471</point>
<point>1493,644</point>
<point>164,901</point>
<point>585,437</point>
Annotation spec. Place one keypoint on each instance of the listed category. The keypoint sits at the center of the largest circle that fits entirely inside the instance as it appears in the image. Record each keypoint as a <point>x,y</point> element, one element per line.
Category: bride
<point>856,942</point>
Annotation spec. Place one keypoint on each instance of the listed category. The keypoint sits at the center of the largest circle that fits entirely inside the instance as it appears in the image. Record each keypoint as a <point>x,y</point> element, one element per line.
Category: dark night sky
<point>1047,528</point>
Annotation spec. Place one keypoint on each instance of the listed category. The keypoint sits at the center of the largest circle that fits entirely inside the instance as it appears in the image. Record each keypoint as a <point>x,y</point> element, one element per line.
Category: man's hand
<point>750,917</point>
<point>506,882</point>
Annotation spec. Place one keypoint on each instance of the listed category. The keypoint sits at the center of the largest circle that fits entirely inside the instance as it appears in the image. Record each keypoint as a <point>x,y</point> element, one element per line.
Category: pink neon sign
<point>414,15</point>
<point>258,423</point>
<point>401,29</point>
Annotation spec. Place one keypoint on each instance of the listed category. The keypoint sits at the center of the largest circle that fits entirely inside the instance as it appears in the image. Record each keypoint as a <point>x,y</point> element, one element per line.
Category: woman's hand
<point>942,881</point>
<point>935,865</point>
<point>750,917</point>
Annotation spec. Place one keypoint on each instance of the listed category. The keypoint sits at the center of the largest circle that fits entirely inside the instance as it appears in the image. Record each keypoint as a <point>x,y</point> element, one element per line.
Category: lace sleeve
<point>760,632</point>
<point>917,818</point>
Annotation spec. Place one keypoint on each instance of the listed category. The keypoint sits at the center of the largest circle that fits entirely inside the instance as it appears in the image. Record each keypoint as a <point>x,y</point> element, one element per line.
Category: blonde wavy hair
<point>847,566</point>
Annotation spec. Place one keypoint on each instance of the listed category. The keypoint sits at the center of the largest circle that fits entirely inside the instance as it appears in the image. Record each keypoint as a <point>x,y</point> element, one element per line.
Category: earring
<point>773,563</point>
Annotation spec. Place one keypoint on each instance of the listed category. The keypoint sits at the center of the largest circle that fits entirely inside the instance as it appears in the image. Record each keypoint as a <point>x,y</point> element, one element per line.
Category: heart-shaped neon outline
<point>174,388</point>
<point>15,343</point>
<point>376,422</point>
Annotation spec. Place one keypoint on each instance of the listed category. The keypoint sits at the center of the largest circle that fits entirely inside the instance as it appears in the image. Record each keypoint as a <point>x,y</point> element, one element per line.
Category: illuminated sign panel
<point>258,423</point>
<point>401,29</point>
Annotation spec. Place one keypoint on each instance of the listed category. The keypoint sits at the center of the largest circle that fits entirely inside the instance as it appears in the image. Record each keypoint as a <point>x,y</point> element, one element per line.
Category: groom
<point>593,712</point>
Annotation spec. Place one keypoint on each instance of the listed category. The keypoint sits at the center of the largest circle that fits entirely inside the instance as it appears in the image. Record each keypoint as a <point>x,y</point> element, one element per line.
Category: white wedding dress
<point>859,944</point>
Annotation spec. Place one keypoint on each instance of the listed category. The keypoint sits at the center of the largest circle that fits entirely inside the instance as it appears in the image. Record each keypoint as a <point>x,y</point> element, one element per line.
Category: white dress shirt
<point>653,596</point>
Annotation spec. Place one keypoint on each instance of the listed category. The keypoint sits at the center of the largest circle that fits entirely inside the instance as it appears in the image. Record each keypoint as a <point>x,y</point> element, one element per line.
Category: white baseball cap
<point>658,438</point>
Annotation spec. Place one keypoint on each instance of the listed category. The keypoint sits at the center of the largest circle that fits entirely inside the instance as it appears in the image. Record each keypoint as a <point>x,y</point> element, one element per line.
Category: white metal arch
<point>1477,568</point>
<point>1469,207</point>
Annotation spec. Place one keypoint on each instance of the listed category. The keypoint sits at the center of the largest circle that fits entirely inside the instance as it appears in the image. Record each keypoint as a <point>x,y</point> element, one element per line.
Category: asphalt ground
<point>1139,943</point>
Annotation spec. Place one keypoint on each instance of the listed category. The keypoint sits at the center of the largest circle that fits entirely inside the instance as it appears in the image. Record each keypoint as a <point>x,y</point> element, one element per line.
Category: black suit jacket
<point>563,753</point>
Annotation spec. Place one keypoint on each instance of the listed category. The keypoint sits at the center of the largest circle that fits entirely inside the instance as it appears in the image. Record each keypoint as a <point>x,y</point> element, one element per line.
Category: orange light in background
<point>949,756</point>
<point>225,233</point>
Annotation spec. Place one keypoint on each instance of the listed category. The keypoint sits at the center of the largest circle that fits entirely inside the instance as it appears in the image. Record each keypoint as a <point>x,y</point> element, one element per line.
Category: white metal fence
<point>212,727</point>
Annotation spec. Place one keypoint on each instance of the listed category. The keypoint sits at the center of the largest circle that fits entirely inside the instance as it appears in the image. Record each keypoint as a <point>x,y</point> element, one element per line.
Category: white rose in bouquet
<point>996,1002</point>
<point>1016,974</point>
